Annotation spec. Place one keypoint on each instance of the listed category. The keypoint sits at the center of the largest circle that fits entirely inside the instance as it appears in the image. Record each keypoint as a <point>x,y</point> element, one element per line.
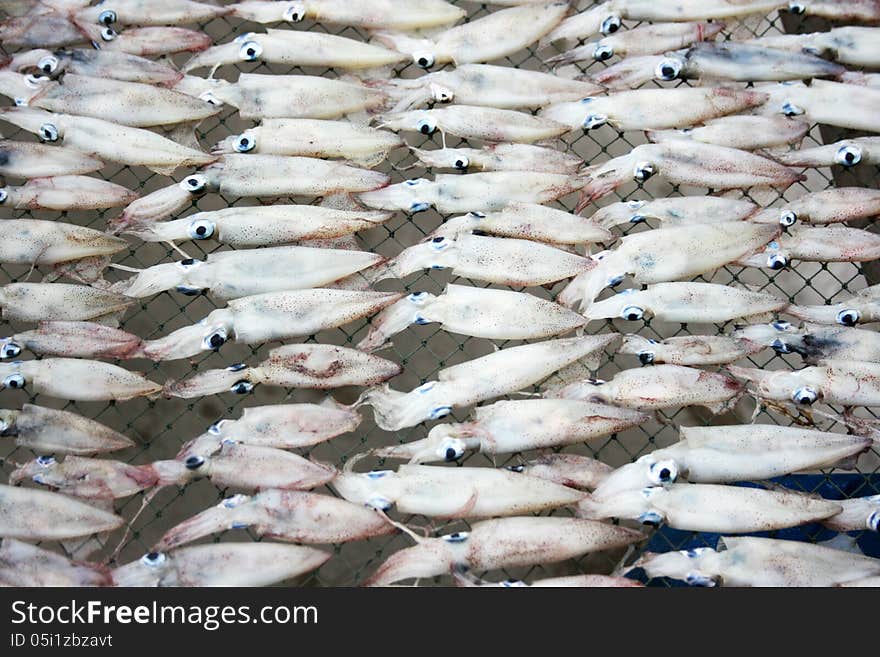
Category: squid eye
<point>451,449</point>
<point>517,468</point>
<point>603,52</point>
<point>424,59</point>
<point>412,182</point>
<point>848,155</point>
<point>379,502</point>
<point>241,387</point>
<point>632,313</point>
<point>651,518</point>
<point>805,395</point>
<point>107,17</point>
<point>194,184</point>
<point>245,144</point>
<point>14,381</point>
<point>189,290</point>
<point>781,325</point>
<point>461,163</point>
<point>790,109</point>
<point>698,579</point>
<point>48,64</point>
<point>787,218</point>
<point>426,126</point>
<point>457,537</point>
<point>217,428</point>
<point>668,69</point>
<point>250,51</point>
<point>873,522</point>
<point>48,132</point>
<point>439,243</point>
<point>194,462</point>
<point>189,263</point>
<point>108,33</point>
<point>10,350</point>
<point>513,583</point>
<point>294,13</point>
<point>610,25</point>
<point>663,472</point>
<point>201,229</point>
<point>643,171</point>
<point>646,357</point>
<point>216,340</point>
<point>848,317</point>
<point>210,98</point>
<point>237,367</point>
<point>780,346</point>
<point>777,261</point>
<point>440,411</point>
<point>45,461</point>
<point>594,121</point>
<point>153,559</point>
<point>443,96</point>
<point>797,7</point>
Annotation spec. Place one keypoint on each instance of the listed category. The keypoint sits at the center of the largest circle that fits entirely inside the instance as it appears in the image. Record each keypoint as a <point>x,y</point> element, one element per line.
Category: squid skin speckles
<point>39,242</point>
<point>75,379</point>
<point>107,64</point>
<point>690,350</point>
<point>151,12</point>
<point>66,193</point>
<point>745,132</point>
<point>676,211</point>
<point>834,243</point>
<point>403,15</point>
<point>500,157</point>
<point>846,153</point>
<point>820,103</point>
<point>23,564</point>
<point>23,159</point>
<point>836,205</point>
<point>35,302</point>
<point>75,340</point>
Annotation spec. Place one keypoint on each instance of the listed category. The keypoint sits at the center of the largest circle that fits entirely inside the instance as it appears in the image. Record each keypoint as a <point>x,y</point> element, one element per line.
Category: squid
<point>859,11</point>
<point>37,515</point>
<point>403,15</point>
<point>652,109</point>
<point>38,242</point>
<point>748,133</point>
<point>268,317</point>
<point>66,193</point>
<point>668,254</point>
<point>657,388</point>
<point>686,302</point>
<point>727,454</point>
<point>844,382</point>
<point>24,159</point>
<point>502,543</point>
<point>318,366</point>
<point>150,12</point>
<point>490,190</point>
<point>108,141</point>
<point>629,73</point>
<point>687,163</point>
<point>570,581</point>
<point>282,515</point>
<point>519,425</point>
<point>850,45</point>
<point>52,431</point>
<point>468,122</point>
<point>75,379</point>
<point>23,564</point>
<point>743,62</point>
<point>861,308</point>
<point>652,39</point>
<point>675,211</point>
<point>711,508</point>
<point>264,225</point>
<point>132,104</point>
<point>235,274</point>
<point>73,339</point>
<point>222,564</point>
<point>295,48</point>
<point>283,426</point>
<point>821,102</point>
<point>691,350</point>
<point>153,41</point>
<point>514,262</point>
<point>500,157</point>
<point>815,342</point>
<point>846,153</point>
<point>818,244</point>
<point>474,311</point>
<point>692,10</point>
<point>107,64</point>
<point>602,18</point>
<point>440,492</point>
<point>485,85</point>
<point>40,26</point>
<point>485,39</point>
<point>313,138</point>
<point>858,514</point>
<point>839,204</point>
<point>529,222</point>
<point>230,465</point>
<point>242,175</point>
<point>573,470</point>
<point>297,97</point>
<point>35,302</point>
<point>754,561</point>
<point>500,373</point>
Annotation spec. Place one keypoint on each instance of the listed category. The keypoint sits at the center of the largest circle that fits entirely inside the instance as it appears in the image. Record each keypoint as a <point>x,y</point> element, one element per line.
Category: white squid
<point>66,193</point>
<point>573,470</point>
<point>815,342</point>
<point>834,243</point>
<point>38,242</point>
<point>851,45</point>
<point>108,64</point>
<point>36,515</point>
<point>519,425</point>
<point>24,159</point>
<point>858,514</point>
<point>846,153</point>
<point>835,205</point>
<point>675,211</point>
<point>691,350</point>
<point>474,311</point>
<point>692,10</point>
<point>748,133</point>
<point>602,18</point>
<point>150,12</point>
<point>75,379</point>
<point>821,102</point>
<point>51,431</point>
<point>23,564</point>
<point>403,15</point>
<point>862,307</point>
<point>500,157</point>
<point>75,340</point>
<point>318,366</point>
<point>36,302</point>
